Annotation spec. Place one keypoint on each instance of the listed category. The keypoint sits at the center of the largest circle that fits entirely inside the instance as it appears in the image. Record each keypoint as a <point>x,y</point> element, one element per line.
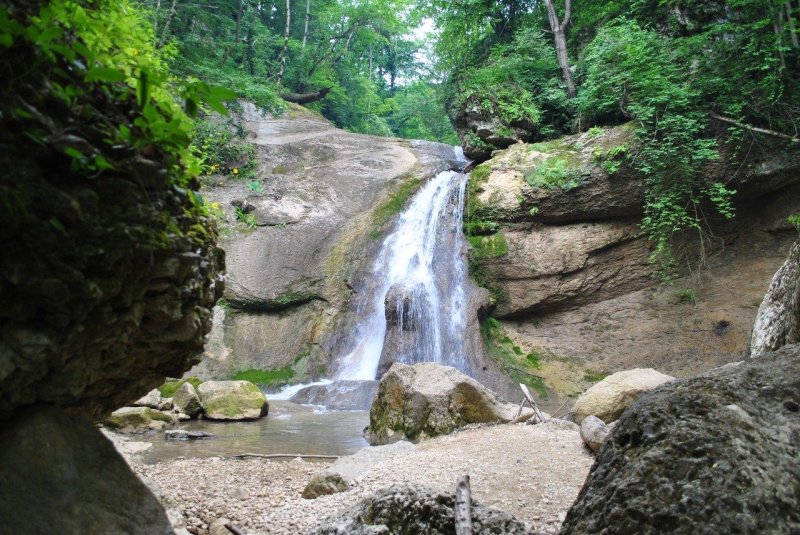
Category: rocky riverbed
<point>532,472</point>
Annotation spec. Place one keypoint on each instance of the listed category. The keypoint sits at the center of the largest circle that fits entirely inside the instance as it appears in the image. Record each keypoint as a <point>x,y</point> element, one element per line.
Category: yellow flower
<point>235,170</point>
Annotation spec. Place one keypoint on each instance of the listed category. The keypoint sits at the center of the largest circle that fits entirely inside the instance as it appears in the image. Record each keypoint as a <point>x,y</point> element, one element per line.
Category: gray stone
<point>324,484</point>
<point>427,399</point>
<point>58,474</point>
<point>778,319</point>
<point>594,432</point>
<point>406,509</point>
<point>152,400</point>
<point>185,434</point>
<point>713,454</point>
<point>217,527</point>
<point>137,419</point>
<point>232,400</point>
<point>339,395</point>
<point>352,466</point>
<point>187,401</point>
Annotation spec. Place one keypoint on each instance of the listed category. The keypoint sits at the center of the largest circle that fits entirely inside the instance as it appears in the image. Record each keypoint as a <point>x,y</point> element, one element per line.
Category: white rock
<point>609,398</point>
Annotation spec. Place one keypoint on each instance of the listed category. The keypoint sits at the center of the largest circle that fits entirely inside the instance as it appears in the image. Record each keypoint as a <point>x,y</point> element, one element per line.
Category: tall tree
<point>559,29</point>
<point>285,49</point>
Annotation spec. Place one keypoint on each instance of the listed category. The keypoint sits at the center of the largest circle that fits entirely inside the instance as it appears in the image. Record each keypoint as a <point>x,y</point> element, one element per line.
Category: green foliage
<point>278,377</point>
<point>255,186</point>
<point>687,295</point>
<point>794,220</point>
<point>519,364</point>
<point>222,151</point>
<point>561,170</point>
<point>169,388</point>
<point>593,376</point>
<point>249,220</point>
<point>483,247</point>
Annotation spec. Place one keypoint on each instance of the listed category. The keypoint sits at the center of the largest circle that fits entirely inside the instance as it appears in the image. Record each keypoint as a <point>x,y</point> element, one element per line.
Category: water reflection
<point>289,428</point>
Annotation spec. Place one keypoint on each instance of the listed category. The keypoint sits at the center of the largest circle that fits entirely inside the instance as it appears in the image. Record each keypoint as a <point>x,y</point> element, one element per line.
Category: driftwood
<point>537,414</point>
<point>233,529</point>
<point>306,98</point>
<point>463,506</point>
<point>284,456</point>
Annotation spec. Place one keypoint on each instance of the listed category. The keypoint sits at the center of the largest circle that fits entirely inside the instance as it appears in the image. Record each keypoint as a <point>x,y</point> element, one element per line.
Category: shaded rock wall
<point>712,454</point>
<point>574,284</point>
<point>778,319</point>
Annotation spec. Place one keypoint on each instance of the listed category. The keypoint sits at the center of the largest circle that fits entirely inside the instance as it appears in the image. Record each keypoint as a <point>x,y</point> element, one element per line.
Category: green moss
<point>594,376</point>
<point>291,299</point>
<point>494,246</point>
<point>169,388</point>
<point>278,377</point>
<point>517,364</point>
<point>392,206</point>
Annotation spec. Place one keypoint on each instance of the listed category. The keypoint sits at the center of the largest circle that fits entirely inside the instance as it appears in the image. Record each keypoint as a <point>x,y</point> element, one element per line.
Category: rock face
<point>718,451</point>
<point>594,432</point>
<point>408,509</point>
<point>60,475</point>
<point>426,400</point>
<point>232,400</point>
<point>187,400</point>
<point>291,278</point>
<point>572,280</point>
<point>152,400</point>
<point>339,395</point>
<point>778,319</point>
<point>481,131</point>
<point>609,398</point>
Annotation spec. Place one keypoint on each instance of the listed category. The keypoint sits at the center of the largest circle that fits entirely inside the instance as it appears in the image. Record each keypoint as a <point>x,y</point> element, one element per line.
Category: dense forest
<point>693,77</point>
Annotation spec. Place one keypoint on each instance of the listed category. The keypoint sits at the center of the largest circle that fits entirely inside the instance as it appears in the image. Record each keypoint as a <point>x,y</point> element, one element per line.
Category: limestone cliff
<point>554,229</point>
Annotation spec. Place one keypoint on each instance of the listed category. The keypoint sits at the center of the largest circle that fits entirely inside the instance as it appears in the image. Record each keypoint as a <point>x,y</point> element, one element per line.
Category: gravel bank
<point>533,472</point>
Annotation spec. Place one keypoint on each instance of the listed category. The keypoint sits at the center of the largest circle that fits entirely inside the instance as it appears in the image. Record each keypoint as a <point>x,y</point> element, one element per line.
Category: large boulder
<point>778,319</point>
<point>324,484</point>
<point>152,399</point>
<point>594,432</point>
<point>407,509</point>
<point>232,400</point>
<point>712,454</point>
<point>187,401</point>
<point>427,399</point>
<point>609,398</point>
<point>58,474</point>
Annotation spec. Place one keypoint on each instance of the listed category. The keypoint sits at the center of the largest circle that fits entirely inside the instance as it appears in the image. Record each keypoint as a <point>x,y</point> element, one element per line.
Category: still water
<point>289,429</point>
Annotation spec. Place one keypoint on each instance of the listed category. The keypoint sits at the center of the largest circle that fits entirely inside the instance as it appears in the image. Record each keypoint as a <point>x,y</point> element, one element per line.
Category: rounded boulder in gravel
<point>232,400</point>
<point>713,454</point>
<point>609,398</point>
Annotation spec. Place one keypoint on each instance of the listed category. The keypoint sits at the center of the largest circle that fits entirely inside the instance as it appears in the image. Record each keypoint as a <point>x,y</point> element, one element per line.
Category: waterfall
<point>419,282</point>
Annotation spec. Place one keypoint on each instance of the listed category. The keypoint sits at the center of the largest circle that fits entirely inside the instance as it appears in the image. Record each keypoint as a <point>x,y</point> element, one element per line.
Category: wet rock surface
<point>339,395</point>
<point>713,454</point>
<point>61,475</point>
<point>409,509</point>
<point>232,400</point>
<point>426,400</point>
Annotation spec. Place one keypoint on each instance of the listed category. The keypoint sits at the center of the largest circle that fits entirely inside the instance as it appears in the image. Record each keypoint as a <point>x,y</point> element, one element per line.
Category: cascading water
<point>419,281</point>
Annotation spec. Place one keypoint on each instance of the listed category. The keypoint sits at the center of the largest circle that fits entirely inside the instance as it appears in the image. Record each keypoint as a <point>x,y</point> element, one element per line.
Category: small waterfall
<point>419,286</point>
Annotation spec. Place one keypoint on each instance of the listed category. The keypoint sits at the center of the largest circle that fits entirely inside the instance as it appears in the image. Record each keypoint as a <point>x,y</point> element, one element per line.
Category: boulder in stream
<point>137,419</point>
<point>232,400</point>
<point>427,399</point>
<point>187,401</point>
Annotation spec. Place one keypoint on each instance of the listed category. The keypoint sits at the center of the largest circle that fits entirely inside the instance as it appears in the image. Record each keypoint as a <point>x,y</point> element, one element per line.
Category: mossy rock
<point>133,419</point>
<point>232,400</point>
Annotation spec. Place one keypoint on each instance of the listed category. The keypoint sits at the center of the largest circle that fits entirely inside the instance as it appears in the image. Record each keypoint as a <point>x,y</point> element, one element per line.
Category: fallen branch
<point>463,506</point>
<point>283,456</point>
<point>233,529</point>
<point>755,128</point>
<point>306,98</point>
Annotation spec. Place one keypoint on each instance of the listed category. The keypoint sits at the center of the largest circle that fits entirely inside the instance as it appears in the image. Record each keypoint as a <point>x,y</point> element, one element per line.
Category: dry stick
<point>233,529</point>
<point>283,456</point>
<point>561,407</point>
<point>755,128</point>
<point>463,506</point>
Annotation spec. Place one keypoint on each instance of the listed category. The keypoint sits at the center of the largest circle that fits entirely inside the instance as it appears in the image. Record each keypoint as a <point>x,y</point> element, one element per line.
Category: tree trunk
<point>308,18</point>
<point>239,8</point>
<point>155,17</point>
<point>251,41</point>
<point>306,98</point>
<point>559,36</point>
<point>167,22</point>
<point>282,57</point>
<point>792,25</point>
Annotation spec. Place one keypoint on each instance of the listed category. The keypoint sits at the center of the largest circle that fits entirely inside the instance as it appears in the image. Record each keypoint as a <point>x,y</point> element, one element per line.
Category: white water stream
<point>422,262</point>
